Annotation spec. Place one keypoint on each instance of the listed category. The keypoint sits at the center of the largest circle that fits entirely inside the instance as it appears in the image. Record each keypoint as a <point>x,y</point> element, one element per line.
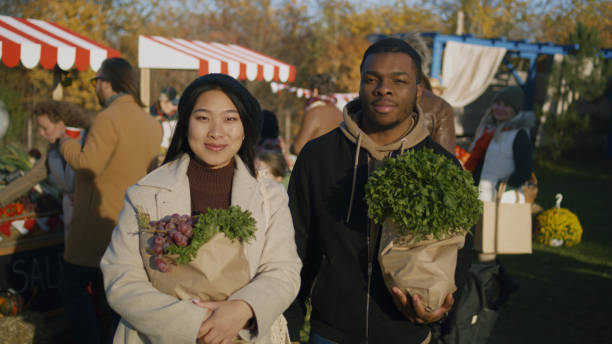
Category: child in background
<point>272,164</point>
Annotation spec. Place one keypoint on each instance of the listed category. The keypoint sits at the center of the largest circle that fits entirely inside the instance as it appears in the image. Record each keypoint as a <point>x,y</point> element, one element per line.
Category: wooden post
<point>288,128</point>
<point>58,92</point>
<point>145,86</point>
<point>460,17</point>
<point>29,132</point>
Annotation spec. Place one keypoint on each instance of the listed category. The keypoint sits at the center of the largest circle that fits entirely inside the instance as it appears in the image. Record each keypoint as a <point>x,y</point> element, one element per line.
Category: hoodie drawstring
<point>403,146</point>
<point>348,215</point>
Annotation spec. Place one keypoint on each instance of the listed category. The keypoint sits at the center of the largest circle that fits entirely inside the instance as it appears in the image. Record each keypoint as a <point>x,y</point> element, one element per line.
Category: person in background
<point>270,134</point>
<point>436,87</point>
<point>320,113</point>
<point>437,113</point>
<point>502,151</point>
<point>166,106</point>
<point>120,148</point>
<point>272,164</point>
<point>336,241</point>
<point>165,111</point>
<point>210,165</point>
<point>52,118</point>
<point>270,139</point>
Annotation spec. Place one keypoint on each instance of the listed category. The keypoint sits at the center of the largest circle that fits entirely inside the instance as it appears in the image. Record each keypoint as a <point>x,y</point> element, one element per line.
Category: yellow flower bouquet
<point>558,226</point>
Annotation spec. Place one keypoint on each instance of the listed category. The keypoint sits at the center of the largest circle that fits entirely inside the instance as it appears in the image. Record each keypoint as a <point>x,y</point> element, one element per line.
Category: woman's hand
<point>413,309</point>
<point>226,320</point>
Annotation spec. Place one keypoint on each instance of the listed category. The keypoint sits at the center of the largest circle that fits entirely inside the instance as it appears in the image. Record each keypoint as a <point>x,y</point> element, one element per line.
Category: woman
<point>52,118</point>
<point>209,164</point>
<point>502,151</point>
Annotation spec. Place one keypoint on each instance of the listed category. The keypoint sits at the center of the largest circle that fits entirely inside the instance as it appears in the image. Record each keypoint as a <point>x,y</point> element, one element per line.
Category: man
<point>120,148</point>
<point>165,111</point>
<point>320,114</point>
<point>336,241</point>
<point>437,113</point>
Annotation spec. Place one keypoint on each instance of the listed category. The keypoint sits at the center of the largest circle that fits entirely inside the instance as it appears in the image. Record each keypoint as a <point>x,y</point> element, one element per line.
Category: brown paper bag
<point>219,269</point>
<point>425,268</point>
<point>504,228</point>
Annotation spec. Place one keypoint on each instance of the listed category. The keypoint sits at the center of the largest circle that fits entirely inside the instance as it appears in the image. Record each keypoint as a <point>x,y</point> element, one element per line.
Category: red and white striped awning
<point>33,41</point>
<point>157,52</point>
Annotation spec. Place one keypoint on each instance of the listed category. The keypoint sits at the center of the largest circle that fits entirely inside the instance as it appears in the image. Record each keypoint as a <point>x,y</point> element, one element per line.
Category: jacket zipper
<point>316,278</point>
<point>371,253</point>
<point>367,315</point>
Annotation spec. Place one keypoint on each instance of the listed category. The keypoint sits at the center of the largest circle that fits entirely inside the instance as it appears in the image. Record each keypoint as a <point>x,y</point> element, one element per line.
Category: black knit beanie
<point>513,96</point>
<point>270,125</point>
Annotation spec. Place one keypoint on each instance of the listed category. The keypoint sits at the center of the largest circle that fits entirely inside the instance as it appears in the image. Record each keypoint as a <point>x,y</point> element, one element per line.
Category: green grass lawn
<point>566,292</point>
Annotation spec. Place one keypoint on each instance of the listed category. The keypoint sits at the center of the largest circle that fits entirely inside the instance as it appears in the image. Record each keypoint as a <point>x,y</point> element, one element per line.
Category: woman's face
<point>215,132</point>
<point>49,130</point>
<point>502,111</point>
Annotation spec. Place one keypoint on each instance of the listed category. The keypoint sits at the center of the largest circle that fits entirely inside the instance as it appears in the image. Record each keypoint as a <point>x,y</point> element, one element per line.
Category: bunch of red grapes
<point>171,230</point>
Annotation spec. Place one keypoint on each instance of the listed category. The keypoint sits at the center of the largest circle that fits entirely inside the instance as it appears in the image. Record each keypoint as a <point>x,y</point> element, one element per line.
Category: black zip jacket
<point>335,253</point>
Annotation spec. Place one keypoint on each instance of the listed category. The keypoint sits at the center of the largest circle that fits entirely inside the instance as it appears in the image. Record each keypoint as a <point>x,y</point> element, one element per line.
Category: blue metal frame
<point>522,49</point>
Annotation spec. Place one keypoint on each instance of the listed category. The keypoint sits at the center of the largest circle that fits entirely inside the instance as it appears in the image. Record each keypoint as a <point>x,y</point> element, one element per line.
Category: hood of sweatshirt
<point>350,128</point>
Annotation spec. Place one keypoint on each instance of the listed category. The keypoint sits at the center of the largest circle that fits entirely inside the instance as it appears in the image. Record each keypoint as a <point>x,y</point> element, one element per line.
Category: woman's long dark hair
<point>247,106</point>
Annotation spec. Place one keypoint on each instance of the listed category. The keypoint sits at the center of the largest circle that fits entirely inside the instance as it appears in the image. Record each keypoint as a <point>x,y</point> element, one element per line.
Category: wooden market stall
<point>31,245</point>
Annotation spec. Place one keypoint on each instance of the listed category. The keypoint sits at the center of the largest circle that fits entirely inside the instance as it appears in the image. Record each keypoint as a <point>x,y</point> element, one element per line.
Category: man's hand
<point>414,310</point>
<point>226,320</point>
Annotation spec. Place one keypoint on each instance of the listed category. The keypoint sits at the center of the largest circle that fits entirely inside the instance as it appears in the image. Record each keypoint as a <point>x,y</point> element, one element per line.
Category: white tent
<point>155,52</point>
<point>33,42</point>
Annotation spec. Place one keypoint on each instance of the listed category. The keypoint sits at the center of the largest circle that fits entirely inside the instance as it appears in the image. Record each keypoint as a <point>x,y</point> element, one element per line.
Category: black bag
<point>473,317</point>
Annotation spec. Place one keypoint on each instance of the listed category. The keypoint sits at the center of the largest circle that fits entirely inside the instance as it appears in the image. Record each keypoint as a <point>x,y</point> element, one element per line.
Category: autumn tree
<point>559,19</point>
<point>485,18</point>
<point>84,17</point>
<point>579,78</point>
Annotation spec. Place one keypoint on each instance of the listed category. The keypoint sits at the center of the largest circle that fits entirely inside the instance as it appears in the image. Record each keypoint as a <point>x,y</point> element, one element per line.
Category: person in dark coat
<point>336,241</point>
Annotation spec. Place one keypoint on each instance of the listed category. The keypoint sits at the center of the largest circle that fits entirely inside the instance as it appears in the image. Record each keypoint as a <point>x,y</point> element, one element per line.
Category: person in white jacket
<point>209,164</point>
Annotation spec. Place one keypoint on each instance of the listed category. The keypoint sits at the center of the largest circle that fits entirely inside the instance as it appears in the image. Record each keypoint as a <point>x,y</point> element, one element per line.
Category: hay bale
<point>28,327</point>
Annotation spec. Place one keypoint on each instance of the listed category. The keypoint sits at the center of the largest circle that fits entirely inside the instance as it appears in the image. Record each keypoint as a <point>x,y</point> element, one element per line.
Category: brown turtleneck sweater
<point>209,188</point>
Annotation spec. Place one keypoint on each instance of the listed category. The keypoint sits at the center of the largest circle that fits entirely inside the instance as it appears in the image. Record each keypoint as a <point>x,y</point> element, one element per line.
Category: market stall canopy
<point>157,52</point>
<point>34,41</point>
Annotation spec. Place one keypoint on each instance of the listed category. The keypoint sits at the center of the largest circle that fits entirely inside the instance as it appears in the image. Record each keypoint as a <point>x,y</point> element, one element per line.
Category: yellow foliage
<point>559,23</point>
<point>87,18</point>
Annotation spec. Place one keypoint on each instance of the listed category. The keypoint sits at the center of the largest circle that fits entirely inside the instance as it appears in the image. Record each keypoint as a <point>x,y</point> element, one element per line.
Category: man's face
<point>388,90</point>
<point>100,89</point>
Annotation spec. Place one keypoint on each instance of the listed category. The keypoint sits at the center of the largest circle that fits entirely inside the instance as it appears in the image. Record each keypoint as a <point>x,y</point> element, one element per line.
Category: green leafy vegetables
<point>425,194</point>
<point>183,235</point>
